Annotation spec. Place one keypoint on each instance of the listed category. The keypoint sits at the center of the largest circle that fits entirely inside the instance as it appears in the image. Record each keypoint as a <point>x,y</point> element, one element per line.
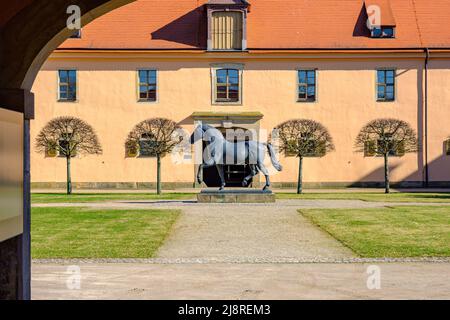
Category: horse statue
<point>219,152</point>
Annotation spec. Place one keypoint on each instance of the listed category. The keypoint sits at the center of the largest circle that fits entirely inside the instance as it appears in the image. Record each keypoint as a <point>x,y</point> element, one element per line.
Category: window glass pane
<point>73,76</point>
<point>222,89</point>
<point>311,80</point>
<point>72,95</point>
<point>234,90</point>
<point>221,95</point>
<point>142,89</point>
<point>311,91</point>
<point>72,87</point>
<point>152,95</point>
<point>388,32</point>
<point>233,73</point>
<point>390,92</point>
<point>152,77</point>
<point>63,77</point>
<point>302,77</point>
<point>63,95</point>
<point>233,80</point>
<point>143,76</point>
<point>311,74</point>
<point>221,76</point>
<point>390,77</point>
<point>302,92</point>
<point>381,92</point>
<point>381,76</point>
<point>234,95</point>
<point>377,32</point>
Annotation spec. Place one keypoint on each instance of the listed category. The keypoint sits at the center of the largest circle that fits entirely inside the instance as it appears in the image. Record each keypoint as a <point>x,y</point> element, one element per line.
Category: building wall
<point>439,116</point>
<point>346,102</point>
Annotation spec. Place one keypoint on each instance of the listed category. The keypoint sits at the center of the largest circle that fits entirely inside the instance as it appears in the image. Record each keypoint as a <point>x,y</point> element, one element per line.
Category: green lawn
<point>388,232</point>
<point>367,196</point>
<point>99,197</point>
<point>85,233</point>
<point>375,197</point>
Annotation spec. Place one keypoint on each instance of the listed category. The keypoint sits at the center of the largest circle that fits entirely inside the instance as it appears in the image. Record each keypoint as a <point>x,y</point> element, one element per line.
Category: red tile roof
<point>272,24</point>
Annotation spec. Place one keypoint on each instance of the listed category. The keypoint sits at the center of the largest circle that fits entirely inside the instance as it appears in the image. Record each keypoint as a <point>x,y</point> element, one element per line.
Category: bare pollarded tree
<point>67,137</point>
<point>153,138</point>
<point>387,137</point>
<point>303,138</point>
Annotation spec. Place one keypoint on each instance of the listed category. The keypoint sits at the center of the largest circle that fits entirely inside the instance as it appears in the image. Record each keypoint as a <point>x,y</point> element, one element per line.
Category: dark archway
<point>29,31</point>
<point>234,174</point>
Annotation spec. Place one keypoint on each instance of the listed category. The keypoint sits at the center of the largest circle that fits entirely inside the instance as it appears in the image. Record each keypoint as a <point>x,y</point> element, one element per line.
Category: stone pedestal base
<point>235,196</point>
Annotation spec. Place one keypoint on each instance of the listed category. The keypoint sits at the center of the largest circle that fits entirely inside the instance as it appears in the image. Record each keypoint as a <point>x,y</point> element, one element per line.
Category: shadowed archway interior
<point>29,31</point>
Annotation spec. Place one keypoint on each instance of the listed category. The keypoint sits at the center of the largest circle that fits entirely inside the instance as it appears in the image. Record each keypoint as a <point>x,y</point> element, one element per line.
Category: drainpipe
<point>427,59</point>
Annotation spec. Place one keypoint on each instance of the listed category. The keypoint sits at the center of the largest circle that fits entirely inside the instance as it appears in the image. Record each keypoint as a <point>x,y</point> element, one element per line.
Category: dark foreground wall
<point>10,269</point>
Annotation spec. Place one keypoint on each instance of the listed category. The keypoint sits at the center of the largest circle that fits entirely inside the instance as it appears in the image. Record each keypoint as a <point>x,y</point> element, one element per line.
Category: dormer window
<point>380,18</point>
<point>227,30</point>
<point>383,32</point>
<point>227,25</point>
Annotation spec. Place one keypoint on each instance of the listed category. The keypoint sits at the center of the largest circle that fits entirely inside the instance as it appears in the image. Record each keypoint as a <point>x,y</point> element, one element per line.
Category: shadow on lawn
<point>158,202</point>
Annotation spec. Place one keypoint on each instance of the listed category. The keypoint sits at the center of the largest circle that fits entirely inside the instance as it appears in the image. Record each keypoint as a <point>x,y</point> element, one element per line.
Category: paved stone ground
<point>242,281</point>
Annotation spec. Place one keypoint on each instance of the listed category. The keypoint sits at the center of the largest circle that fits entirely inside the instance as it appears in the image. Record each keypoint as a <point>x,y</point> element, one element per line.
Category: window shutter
<point>131,150</point>
<point>322,149</point>
<point>51,151</point>
<point>447,147</point>
<point>400,152</point>
<point>227,30</point>
<point>370,148</point>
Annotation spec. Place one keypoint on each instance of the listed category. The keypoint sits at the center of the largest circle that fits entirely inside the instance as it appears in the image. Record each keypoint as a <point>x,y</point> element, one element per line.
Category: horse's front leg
<point>199,178</point>
<point>221,175</point>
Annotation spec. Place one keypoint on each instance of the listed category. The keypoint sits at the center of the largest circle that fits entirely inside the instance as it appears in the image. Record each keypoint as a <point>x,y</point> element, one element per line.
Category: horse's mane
<point>206,127</point>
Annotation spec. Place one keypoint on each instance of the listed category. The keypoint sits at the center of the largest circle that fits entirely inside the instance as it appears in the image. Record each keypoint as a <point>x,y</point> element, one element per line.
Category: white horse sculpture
<point>220,152</point>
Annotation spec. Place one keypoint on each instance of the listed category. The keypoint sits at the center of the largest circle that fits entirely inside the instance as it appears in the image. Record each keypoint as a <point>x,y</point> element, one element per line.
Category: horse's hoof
<point>244,183</point>
<point>266,188</point>
<point>199,181</point>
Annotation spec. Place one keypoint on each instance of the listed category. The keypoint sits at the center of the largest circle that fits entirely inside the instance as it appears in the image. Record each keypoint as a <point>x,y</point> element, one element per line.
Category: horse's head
<point>205,132</point>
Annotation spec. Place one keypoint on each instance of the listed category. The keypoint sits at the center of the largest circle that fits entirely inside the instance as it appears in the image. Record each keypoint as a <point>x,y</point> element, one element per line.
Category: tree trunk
<point>69,178</point>
<point>300,176</point>
<point>386,173</point>
<point>158,174</point>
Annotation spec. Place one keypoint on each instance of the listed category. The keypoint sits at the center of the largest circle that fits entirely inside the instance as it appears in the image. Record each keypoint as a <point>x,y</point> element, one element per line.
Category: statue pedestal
<point>236,196</point>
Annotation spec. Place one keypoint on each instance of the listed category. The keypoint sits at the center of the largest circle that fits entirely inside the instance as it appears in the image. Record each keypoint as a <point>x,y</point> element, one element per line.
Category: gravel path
<point>248,231</point>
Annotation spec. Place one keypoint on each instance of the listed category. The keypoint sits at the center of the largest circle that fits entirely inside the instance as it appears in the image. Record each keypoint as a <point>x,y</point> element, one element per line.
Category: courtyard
<point>135,246</point>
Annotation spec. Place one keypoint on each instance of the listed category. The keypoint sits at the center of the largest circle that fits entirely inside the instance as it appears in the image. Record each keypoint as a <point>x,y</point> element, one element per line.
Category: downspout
<point>427,59</point>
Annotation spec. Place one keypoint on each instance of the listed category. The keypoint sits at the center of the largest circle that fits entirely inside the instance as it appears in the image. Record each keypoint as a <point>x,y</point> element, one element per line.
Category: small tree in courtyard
<point>303,138</point>
<point>67,137</point>
<point>153,138</point>
<point>386,138</point>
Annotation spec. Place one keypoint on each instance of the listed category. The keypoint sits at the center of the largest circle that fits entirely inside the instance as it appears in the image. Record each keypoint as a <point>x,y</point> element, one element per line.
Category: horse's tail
<point>273,158</point>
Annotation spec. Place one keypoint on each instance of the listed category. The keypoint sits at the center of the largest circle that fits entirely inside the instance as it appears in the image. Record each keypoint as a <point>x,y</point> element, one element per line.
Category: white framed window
<point>147,85</point>
<point>227,84</point>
